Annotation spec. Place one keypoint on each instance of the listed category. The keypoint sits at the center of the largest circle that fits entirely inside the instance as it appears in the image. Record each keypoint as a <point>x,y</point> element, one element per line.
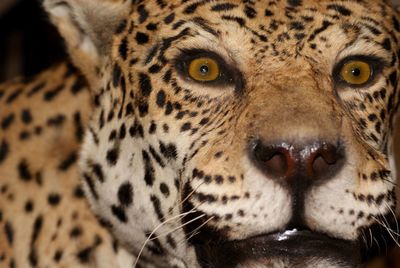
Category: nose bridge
<point>296,109</point>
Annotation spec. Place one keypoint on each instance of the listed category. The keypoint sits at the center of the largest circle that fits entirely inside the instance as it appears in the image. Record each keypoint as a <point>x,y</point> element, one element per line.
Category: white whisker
<point>179,216</point>
<point>179,227</point>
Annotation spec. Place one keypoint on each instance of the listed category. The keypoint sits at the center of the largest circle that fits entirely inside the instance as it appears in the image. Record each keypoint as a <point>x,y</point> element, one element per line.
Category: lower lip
<point>299,243</point>
<point>291,245</point>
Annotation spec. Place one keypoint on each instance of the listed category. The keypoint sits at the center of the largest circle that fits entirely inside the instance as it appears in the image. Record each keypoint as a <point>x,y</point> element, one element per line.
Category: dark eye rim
<point>377,64</point>
<point>228,74</point>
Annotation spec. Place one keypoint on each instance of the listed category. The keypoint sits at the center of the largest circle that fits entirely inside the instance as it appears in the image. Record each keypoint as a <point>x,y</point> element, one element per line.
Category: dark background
<point>28,41</point>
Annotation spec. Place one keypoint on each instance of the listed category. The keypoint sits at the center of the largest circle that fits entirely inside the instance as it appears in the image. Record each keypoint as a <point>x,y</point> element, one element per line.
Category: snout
<point>307,161</point>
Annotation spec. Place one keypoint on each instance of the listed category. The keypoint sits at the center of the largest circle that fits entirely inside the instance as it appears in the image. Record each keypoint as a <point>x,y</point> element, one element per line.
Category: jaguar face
<point>240,133</point>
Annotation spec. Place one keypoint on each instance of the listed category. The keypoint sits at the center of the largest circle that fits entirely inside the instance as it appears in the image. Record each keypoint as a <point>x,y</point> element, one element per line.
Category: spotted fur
<point>169,165</point>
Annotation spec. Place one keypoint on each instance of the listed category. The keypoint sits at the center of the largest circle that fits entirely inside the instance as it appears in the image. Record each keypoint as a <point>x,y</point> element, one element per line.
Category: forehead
<point>261,11</point>
<point>283,29</point>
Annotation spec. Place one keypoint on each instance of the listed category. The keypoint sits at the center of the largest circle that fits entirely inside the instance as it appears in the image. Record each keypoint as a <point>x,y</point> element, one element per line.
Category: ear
<point>395,4</point>
<point>87,27</point>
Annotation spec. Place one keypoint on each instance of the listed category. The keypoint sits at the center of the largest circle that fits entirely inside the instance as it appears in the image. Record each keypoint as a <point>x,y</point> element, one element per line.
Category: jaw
<point>292,248</point>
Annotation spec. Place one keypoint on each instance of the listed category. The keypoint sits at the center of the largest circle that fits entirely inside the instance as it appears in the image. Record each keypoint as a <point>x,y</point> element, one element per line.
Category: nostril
<point>319,166</point>
<point>322,160</point>
<point>277,165</point>
<point>275,160</point>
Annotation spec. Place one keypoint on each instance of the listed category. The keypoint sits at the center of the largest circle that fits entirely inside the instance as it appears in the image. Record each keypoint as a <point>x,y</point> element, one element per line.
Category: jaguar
<point>205,133</point>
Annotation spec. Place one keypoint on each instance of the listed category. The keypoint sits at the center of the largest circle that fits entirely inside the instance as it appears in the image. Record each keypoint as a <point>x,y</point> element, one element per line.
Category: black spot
<point>12,263</point>
<point>186,126</point>
<point>152,53</point>
<point>268,13</point>
<point>294,3</point>
<point>29,206</point>
<point>8,230</point>
<point>151,26</point>
<point>37,227</point>
<point>51,94</point>
<point>136,130</point>
<point>112,156</point>
<point>167,76</point>
<point>7,121</point>
<point>54,199</point>
<point>340,9</point>
<point>396,23</point>
<point>240,21</point>
<point>4,149</point>
<point>129,109</point>
<point>145,84</point>
<point>190,9</point>
<point>372,117</point>
<point>125,194</point>
<point>122,132</point>
<point>168,108</point>
<point>219,179</point>
<point>143,13</point>
<point>325,25</point>
<point>250,12</point>
<point>56,121</point>
<point>156,247</point>
<point>387,44</point>
<point>160,98</point>
<point>98,171</point>
<point>117,73</point>
<point>171,241</point>
<point>78,192</point>
<point>156,156</point>
<point>204,121</point>
<point>164,189</point>
<point>23,170</point>
<point>57,256</point>
<point>123,48</point>
<point>155,69</point>
<point>157,207</point>
<point>68,161</point>
<point>79,85</point>
<point>89,181</point>
<point>223,7</point>
<point>119,213</point>
<point>75,232</point>
<point>141,38</point>
<point>14,96</point>
<point>168,150</point>
<point>296,25</point>
<point>24,135</point>
<point>149,177</point>
<point>121,27</point>
<point>143,109</point>
<point>79,129</point>
<point>393,78</point>
<point>26,116</point>
<point>36,89</point>
<point>170,18</point>
<point>84,255</point>
<point>152,128</point>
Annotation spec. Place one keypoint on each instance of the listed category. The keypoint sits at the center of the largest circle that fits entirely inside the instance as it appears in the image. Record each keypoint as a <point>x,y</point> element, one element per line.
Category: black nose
<point>310,162</point>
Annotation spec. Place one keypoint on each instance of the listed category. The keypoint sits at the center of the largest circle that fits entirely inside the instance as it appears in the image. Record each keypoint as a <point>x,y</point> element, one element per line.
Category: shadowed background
<point>29,44</point>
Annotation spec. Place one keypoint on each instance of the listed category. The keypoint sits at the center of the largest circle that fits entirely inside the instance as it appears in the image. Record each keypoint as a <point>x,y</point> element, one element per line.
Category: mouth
<point>294,247</point>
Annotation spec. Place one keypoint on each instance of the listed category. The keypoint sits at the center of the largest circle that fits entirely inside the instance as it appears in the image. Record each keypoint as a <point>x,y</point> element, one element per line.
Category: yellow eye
<point>356,72</point>
<point>204,70</point>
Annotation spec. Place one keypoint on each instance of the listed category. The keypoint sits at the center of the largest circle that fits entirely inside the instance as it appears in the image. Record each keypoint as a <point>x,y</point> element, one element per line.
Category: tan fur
<point>43,152</point>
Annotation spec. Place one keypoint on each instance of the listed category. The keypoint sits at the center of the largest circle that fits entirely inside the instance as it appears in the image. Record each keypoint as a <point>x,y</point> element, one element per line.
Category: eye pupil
<point>204,69</point>
<point>356,72</point>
